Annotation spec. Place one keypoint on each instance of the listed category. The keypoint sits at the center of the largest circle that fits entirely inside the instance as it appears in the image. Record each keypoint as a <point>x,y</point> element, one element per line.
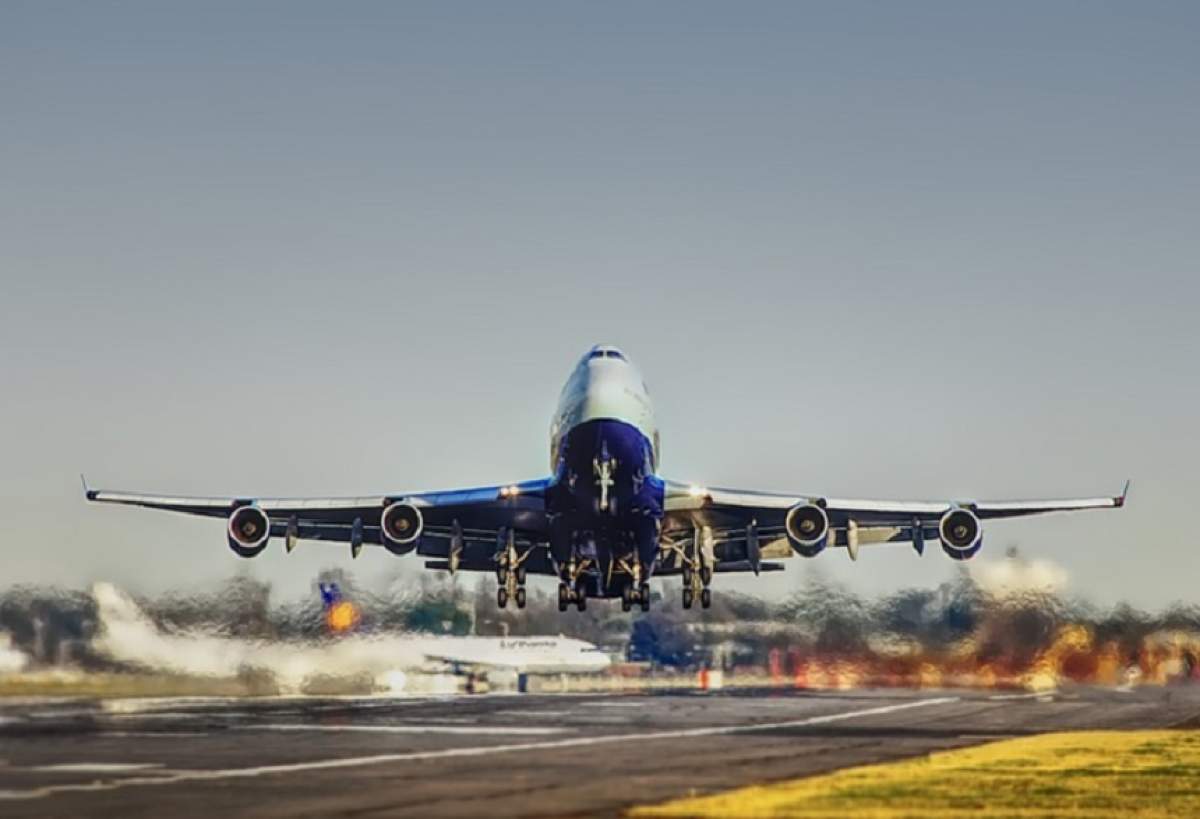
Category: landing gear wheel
<point>520,597</point>
<point>520,575</point>
<point>502,597</point>
<point>687,576</point>
<point>705,598</point>
<point>644,596</point>
<point>564,597</point>
<point>581,603</point>
<point>706,576</point>
<point>688,597</point>
<point>626,599</point>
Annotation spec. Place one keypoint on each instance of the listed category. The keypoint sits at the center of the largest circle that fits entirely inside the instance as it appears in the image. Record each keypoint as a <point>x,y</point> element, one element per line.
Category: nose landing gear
<point>605,468</point>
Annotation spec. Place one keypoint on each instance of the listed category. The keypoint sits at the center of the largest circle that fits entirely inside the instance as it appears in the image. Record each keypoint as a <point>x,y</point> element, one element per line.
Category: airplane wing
<point>747,525</point>
<point>480,516</point>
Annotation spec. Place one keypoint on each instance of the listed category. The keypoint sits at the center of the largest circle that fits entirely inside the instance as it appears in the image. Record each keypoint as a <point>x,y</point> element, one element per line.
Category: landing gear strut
<point>572,585</point>
<point>510,570</point>
<point>698,562</point>
<point>637,590</point>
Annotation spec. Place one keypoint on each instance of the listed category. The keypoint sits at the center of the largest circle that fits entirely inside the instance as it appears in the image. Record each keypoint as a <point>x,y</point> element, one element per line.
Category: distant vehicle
<point>127,635</point>
<point>604,522</point>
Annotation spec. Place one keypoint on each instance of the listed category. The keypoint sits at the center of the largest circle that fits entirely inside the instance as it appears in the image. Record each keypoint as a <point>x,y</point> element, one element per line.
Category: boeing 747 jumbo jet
<point>603,522</point>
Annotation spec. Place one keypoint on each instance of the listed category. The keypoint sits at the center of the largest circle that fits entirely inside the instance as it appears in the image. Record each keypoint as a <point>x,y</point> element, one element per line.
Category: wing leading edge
<point>729,513</point>
<point>478,515</point>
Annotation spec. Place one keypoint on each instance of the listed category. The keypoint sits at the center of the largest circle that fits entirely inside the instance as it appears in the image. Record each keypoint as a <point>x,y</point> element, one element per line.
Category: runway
<point>498,755</point>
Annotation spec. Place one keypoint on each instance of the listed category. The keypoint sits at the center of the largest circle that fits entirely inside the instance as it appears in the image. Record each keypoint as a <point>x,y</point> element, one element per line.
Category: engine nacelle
<point>400,525</point>
<point>807,528</point>
<point>248,531</point>
<point>961,533</point>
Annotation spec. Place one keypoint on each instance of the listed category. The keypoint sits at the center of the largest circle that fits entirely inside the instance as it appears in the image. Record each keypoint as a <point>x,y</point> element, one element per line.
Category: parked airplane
<point>604,521</point>
<point>127,635</point>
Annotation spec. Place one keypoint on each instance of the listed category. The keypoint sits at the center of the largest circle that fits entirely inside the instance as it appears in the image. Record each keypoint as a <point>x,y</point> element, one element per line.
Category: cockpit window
<point>606,353</point>
<point>595,354</point>
<point>616,354</point>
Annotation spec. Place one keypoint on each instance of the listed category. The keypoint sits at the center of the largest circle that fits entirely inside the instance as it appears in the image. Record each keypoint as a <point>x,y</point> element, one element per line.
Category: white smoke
<point>127,635</point>
<point>12,661</point>
<point>1016,576</point>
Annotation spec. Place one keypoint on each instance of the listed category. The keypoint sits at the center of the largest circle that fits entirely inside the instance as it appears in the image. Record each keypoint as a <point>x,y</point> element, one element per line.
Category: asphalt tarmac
<point>498,755</point>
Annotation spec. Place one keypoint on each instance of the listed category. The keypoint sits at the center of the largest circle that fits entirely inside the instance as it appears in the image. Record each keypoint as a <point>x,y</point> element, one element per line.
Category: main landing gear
<point>637,590</point>
<point>698,563</point>
<point>510,571</point>
<point>572,586</point>
<point>639,595</point>
<point>697,584</point>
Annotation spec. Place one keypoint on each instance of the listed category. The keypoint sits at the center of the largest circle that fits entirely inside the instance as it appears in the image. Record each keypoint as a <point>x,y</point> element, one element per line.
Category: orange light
<point>342,616</point>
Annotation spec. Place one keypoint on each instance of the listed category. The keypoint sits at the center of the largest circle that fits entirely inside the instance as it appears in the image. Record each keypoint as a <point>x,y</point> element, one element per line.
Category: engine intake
<point>249,529</point>
<point>400,525</point>
<point>807,528</point>
<point>961,533</point>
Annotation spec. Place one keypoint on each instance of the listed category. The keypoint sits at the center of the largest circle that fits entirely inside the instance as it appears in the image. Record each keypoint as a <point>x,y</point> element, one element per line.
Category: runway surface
<point>499,755</point>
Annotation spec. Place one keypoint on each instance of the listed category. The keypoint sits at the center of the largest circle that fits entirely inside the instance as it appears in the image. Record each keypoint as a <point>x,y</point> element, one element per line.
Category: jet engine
<point>807,528</point>
<point>400,526</point>
<point>249,528</point>
<point>961,533</point>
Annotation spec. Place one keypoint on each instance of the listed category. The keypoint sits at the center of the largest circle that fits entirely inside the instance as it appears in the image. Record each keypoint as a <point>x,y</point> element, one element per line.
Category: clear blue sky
<point>903,250</point>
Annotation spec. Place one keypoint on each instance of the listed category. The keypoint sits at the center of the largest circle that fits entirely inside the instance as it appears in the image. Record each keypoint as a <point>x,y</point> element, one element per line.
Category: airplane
<point>604,521</point>
<point>126,634</point>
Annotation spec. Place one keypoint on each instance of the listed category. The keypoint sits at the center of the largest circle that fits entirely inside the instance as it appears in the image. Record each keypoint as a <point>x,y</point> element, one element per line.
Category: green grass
<point>1102,774</point>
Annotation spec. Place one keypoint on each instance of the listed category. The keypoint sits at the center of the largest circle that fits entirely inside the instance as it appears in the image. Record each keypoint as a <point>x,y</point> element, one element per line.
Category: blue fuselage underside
<point>615,509</point>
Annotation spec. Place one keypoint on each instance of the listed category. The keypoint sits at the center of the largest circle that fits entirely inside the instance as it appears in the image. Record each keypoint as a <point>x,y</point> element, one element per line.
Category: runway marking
<point>453,753</point>
<point>606,704</point>
<point>517,730</point>
<point>152,734</point>
<point>517,712</point>
<point>96,767</point>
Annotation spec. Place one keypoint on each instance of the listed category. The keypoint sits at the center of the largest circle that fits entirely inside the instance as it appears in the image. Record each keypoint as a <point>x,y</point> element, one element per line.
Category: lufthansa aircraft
<point>604,521</point>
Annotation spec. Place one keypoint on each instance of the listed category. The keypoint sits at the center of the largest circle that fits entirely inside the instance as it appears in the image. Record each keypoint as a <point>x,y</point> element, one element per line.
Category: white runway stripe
<point>514,730</point>
<point>96,767</point>
<point>451,753</point>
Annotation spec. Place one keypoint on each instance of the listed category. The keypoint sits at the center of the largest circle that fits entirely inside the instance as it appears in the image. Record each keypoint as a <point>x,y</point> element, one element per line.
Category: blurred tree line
<point>819,617</point>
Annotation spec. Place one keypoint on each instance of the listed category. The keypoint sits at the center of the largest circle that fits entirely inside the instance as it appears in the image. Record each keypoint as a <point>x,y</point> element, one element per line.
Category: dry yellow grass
<point>1098,774</point>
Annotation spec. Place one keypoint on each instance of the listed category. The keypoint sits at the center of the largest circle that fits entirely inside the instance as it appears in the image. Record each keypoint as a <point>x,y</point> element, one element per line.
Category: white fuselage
<point>604,386</point>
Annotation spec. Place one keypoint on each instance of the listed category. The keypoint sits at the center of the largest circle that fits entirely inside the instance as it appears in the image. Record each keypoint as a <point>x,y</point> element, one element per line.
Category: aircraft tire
<point>687,576</point>
<point>520,597</point>
<point>520,575</point>
<point>644,596</point>
<point>705,598</point>
<point>502,597</point>
<point>688,597</point>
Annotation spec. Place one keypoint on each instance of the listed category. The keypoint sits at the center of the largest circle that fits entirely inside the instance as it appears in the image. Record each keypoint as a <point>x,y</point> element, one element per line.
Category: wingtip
<point>1119,501</point>
<point>88,492</point>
